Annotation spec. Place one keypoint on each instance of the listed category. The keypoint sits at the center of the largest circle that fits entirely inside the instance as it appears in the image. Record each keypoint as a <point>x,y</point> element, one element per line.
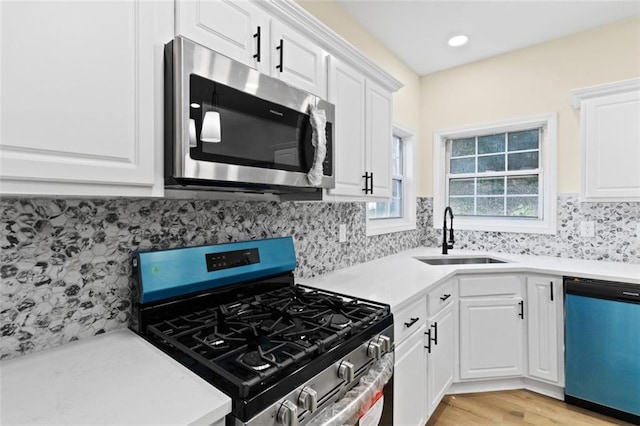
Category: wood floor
<point>518,407</point>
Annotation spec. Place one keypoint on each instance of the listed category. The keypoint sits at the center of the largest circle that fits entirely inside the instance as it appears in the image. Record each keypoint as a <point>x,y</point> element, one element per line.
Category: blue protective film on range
<point>165,274</point>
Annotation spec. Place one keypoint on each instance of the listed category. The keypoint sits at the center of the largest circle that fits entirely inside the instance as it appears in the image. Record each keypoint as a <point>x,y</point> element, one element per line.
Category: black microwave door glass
<point>247,130</point>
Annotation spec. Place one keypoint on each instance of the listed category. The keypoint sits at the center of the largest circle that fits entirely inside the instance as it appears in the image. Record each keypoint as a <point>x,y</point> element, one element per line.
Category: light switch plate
<point>587,229</point>
<point>342,233</point>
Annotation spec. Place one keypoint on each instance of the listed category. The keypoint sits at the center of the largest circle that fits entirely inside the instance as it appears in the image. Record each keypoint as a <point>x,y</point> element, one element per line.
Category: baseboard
<point>543,388</point>
<point>476,386</point>
<point>486,386</point>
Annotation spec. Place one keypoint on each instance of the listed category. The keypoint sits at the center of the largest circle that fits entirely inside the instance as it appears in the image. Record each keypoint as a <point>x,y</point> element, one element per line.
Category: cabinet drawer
<point>405,321</point>
<point>490,285</point>
<point>440,297</point>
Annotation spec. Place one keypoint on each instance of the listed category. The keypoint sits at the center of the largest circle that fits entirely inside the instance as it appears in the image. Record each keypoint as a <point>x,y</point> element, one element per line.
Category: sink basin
<point>459,260</point>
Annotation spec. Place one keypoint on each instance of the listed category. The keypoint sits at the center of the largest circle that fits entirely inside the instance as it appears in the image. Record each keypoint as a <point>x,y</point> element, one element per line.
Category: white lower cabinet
<point>491,326</point>
<point>410,381</point>
<point>440,355</point>
<point>545,331</point>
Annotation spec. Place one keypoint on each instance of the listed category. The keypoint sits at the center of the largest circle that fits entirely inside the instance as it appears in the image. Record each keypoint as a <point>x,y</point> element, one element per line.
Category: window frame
<point>408,220</point>
<point>547,176</point>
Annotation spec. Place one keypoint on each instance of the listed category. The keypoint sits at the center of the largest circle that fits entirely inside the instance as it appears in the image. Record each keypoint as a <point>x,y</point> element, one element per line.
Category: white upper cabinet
<point>237,29</point>
<point>81,98</point>
<point>610,141</point>
<point>362,134</point>
<point>297,60</point>
<point>347,92</point>
<point>378,120</point>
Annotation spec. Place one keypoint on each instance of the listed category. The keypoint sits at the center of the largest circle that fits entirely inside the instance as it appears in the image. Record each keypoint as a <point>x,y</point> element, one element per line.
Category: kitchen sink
<point>459,260</point>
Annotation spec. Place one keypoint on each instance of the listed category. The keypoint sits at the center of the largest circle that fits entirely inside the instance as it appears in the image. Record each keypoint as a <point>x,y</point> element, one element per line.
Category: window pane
<point>371,207</point>
<point>460,147</point>
<point>491,163</point>
<point>523,161</point>
<point>522,206</point>
<point>491,143</point>
<point>523,140</point>
<point>462,206</point>
<point>396,152</point>
<point>490,206</point>
<point>463,165</point>
<point>461,186</point>
<point>522,185</point>
<point>491,186</point>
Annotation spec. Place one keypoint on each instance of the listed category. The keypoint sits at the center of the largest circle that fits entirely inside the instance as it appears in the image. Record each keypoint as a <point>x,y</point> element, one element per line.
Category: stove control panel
<point>231,259</point>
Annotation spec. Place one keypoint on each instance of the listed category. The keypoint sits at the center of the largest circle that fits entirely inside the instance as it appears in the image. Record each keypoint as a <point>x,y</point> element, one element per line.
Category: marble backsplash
<point>65,264</point>
<point>615,239</point>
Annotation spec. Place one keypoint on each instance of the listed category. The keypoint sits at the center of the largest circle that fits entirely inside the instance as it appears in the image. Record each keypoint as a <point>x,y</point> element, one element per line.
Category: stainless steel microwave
<point>229,127</point>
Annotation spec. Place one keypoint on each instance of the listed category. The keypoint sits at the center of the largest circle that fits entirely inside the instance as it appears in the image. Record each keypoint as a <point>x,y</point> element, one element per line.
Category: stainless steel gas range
<point>285,354</point>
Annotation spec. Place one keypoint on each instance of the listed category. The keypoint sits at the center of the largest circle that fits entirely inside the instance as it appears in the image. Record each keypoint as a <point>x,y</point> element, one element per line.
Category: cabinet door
<point>237,29</point>
<point>378,136</point>
<point>346,92</point>
<point>440,360</point>
<point>297,60</point>
<point>544,297</point>
<point>81,101</point>
<point>410,382</point>
<point>610,137</point>
<point>491,338</point>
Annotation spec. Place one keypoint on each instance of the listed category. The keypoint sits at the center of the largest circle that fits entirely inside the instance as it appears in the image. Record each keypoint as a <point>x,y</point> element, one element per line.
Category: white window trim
<point>408,221</point>
<point>548,171</point>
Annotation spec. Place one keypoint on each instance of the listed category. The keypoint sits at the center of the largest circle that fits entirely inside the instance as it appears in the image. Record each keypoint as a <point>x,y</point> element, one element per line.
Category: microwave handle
<point>280,47</point>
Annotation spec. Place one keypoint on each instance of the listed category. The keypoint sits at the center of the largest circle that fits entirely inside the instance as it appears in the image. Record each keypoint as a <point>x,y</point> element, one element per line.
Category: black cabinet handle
<point>257,36</point>
<point>428,347</point>
<point>281,49</point>
<point>551,282</point>
<point>368,189</point>
<point>410,323</point>
<point>521,314</point>
<point>445,297</point>
<point>435,333</point>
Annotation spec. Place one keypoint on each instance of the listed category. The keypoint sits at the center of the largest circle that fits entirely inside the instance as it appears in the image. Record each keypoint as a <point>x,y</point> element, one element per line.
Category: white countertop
<point>116,378</point>
<point>399,278</point>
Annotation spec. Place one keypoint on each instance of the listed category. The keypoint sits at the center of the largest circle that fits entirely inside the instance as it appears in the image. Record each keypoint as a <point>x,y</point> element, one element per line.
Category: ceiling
<point>417,31</point>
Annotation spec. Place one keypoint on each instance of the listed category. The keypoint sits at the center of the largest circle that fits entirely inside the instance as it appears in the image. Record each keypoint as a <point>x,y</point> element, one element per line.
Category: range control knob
<point>308,399</point>
<point>345,371</point>
<point>287,414</point>
<point>385,343</point>
<point>374,350</point>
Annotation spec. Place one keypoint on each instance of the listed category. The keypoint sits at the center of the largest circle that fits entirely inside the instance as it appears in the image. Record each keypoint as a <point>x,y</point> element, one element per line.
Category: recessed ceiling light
<point>195,105</point>
<point>458,40</point>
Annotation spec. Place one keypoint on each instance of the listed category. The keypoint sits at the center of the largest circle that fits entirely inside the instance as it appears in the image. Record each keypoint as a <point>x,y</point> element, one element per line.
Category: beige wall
<point>525,82</point>
<point>406,102</point>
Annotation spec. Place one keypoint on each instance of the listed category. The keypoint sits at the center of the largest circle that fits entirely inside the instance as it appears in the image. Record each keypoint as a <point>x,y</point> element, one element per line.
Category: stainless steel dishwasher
<point>602,347</point>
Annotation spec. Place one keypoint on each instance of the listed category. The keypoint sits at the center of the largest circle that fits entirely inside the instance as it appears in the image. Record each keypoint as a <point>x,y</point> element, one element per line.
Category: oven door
<point>369,403</point>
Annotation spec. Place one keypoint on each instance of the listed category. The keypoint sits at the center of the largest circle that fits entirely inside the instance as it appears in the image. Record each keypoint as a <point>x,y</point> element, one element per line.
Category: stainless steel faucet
<point>447,245</point>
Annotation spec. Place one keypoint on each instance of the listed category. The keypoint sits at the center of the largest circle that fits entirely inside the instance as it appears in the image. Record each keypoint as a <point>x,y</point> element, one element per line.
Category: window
<point>399,213</point>
<point>498,176</point>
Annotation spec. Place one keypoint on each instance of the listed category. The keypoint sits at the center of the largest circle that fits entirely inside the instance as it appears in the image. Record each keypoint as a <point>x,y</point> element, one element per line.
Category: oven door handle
<point>347,409</point>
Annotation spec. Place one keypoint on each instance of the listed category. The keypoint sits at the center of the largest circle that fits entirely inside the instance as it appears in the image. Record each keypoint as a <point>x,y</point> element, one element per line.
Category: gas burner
<point>296,308</point>
<point>256,361</point>
<point>337,321</point>
<point>215,341</point>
